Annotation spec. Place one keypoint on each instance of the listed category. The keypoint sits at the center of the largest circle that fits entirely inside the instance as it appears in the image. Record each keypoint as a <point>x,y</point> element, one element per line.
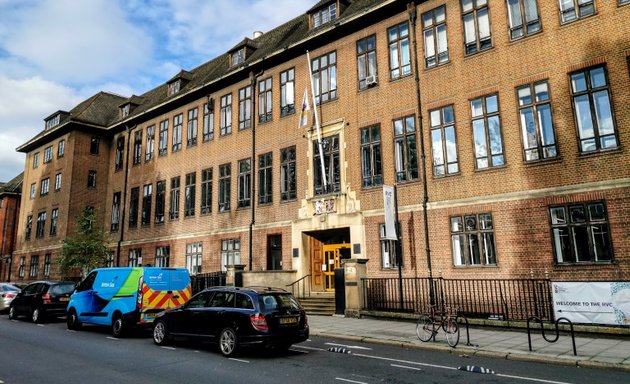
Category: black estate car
<point>234,317</point>
<point>42,299</point>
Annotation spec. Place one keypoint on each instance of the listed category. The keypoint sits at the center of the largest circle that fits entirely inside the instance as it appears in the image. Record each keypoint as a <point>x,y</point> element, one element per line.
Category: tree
<point>85,250</point>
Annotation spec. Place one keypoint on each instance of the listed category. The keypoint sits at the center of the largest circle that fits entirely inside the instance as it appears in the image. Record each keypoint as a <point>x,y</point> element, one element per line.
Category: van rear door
<point>179,285</point>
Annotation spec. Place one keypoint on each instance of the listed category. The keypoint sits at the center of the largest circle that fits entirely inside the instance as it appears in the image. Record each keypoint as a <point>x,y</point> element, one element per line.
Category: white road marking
<point>349,346</point>
<point>241,361</point>
<point>40,325</point>
<point>169,348</point>
<point>532,379</point>
<point>406,367</point>
<point>295,350</point>
<point>112,338</point>
<point>349,381</point>
<point>311,348</point>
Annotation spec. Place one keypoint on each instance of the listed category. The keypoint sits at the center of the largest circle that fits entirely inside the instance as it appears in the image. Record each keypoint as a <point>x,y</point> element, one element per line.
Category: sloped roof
<point>14,186</point>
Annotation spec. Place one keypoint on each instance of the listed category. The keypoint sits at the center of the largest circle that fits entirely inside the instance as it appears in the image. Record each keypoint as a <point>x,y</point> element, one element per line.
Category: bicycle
<point>430,323</point>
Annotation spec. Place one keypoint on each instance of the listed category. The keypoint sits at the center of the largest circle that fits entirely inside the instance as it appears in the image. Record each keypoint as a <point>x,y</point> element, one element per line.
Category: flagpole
<point>317,128</point>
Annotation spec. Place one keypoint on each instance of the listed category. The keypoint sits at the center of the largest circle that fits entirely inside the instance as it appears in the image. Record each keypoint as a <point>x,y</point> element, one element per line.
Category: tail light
<point>46,298</point>
<point>8,295</point>
<point>259,322</point>
<point>140,293</point>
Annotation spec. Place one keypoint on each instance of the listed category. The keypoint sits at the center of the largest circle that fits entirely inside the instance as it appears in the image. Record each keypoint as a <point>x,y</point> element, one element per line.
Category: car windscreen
<point>8,287</point>
<point>61,289</point>
<point>274,301</point>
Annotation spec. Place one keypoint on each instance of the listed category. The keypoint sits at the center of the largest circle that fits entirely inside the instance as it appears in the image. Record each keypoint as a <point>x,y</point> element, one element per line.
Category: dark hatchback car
<point>42,299</point>
<point>236,317</point>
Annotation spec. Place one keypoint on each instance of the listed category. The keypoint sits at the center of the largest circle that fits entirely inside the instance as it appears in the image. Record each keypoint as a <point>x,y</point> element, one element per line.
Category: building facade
<point>10,193</point>
<point>503,125</point>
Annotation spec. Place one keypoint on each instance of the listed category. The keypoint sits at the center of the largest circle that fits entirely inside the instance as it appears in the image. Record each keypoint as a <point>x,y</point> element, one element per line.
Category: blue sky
<point>56,53</point>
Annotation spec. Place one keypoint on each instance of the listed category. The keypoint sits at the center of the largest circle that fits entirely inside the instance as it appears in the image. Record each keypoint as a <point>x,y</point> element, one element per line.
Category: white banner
<point>592,302</point>
<point>390,213</point>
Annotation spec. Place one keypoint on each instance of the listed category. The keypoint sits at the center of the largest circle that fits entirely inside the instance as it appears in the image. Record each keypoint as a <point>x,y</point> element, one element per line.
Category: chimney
<point>257,34</point>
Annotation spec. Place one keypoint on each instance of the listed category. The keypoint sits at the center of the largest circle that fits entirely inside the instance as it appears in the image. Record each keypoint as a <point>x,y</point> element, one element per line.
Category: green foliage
<point>85,250</point>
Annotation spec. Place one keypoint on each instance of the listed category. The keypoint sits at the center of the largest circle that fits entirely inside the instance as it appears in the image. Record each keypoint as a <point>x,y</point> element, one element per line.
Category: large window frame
<point>265,100</point>
<point>572,10</point>
<point>371,156</point>
<point>444,141</point>
<point>405,149</point>
<point>208,120</point>
<point>332,165</point>
<point>367,70</point>
<point>487,133</point>
<point>150,146</point>
<point>435,39</point>
<point>476,24</point>
<point>163,138</point>
<point>536,119</point>
<point>244,183</point>
<point>178,122</point>
<point>206,191</point>
<point>191,127</point>
<point>137,148</point>
<point>147,197</point>
<point>287,92</point>
<point>134,258</point>
<point>162,256</point>
<point>389,257</point>
<point>324,72</point>
<point>54,220</point>
<point>194,257</point>
<point>245,107</point>
<point>120,152</point>
<point>399,51</point>
<point>265,180</point>
<point>472,240</point>
<point>160,201</point>
<point>174,198</point>
<point>225,178</point>
<point>41,225</point>
<point>523,17</point>
<point>134,201</point>
<point>288,181</point>
<point>230,253</point>
<point>226,115</point>
<point>190,192</point>
<point>115,212</point>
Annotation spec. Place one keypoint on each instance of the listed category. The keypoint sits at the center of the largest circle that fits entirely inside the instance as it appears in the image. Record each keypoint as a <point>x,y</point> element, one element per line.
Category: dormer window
<point>124,110</point>
<point>174,87</point>
<point>238,57</point>
<point>324,15</point>
<point>53,122</point>
<point>178,82</point>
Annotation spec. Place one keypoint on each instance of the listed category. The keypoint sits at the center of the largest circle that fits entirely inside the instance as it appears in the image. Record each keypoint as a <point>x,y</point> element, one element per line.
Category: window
<point>61,148</point>
<point>371,165</point>
<point>366,61</point>
<point>571,10</point>
<point>33,270</point>
<point>621,2</point>
<point>193,257</point>
<point>476,25</point>
<point>94,144</point>
<point>29,227</point>
<point>57,182</point>
<point>230,253</point>
<point>324,15</point>
<point>399,53</point>
<point>287,92</point>
<point>537,128</point>
<point>206,191</point>
<point>444,141</point>
<point>405,149</point>
<point>226,115</point>
<point>160,201</point>
<point>120,153</point>
<point>48,154</point>
<point>274,252</point>
<point>33,190</point>
<point>174,210</point>
<point>325,77</point>
<point>109,260</point>
<point>487,132</point>
<point>264,178</point>
<point>89,212</point>
<point>435,42</point>
<point>245,107</point>
<point>524,19</point>
<point>41,224</point>
<point>177,132</point>
<point>472,239</point>
<point>47,258</point>
<point>174,87</point>
<point>135,257</point>
<point>191,130</point>
<point>54,219</point>
<point>147,195</point>
<point>115,211</point>
<point>125,109</point>
<point>150,147</point>
<point>133,207</point>
<point>22,267</point>
<point>208,120</point>
<point>35,160</point>
<point>163,139</point>
<point>189,194</point>
<point>580,233</point>
<point>224,187</point>
<point>288,183</point>
<point>238,57</point>
<point>137,148</point>
<point>593,112</point>
<point>44,187</point>
<point>53,122</point>
<point>265,100</point>
<point>330,147</point>
<point>244,180</point>
<point>162,256</point>
<point>388,250</point>
<point>91,180</point>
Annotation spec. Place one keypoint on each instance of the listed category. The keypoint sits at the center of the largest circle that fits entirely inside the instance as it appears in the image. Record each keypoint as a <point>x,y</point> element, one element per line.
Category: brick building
<point>503,125</point>
<point>9,210</point>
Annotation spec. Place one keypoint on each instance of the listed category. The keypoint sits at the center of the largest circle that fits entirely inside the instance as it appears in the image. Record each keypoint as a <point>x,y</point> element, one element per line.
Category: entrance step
<point>318,304</point>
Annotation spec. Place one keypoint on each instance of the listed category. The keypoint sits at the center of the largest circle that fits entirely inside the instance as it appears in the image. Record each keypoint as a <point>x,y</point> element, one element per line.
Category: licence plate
<point>288,320</point>
<point>149,315</point>
<point>64,299</point>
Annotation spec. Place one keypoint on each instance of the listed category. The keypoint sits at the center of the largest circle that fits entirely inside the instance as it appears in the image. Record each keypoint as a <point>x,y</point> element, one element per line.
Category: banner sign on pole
<point>592,302</point>
<point>390,213</point>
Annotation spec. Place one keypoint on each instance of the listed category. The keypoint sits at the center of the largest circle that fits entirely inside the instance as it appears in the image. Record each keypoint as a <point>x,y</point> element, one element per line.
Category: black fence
<point>514,299</point>
<point>202,281</point>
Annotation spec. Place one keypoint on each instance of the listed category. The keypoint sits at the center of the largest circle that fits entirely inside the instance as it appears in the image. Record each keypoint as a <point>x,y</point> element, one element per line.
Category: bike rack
<point>538,320</point>
<point>467,330</point>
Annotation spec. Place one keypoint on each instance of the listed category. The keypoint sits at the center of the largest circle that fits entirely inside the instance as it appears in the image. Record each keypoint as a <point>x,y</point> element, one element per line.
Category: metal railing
<point>301,288</point>
<point>202,281</point>
<point>509,299</point>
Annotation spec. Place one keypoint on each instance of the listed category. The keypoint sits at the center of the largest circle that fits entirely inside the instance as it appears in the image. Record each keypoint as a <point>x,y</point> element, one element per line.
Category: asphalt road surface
<point>49,353</point>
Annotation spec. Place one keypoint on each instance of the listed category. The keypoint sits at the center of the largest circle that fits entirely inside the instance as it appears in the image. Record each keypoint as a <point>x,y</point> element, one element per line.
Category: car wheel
<point>72,320</point>
<point>12,313</point>
<point>160,333</point>
<point>36,315</point>
<point>119,328</point>
<point>228,342</point>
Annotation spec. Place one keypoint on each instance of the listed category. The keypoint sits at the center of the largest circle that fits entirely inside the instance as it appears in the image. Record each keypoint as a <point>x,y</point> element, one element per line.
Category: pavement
<point>593,351</point>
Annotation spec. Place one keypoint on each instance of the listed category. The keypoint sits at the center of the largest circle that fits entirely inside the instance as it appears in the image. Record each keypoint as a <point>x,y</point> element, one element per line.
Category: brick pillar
<point>234,275</point>
<point>355,270</point>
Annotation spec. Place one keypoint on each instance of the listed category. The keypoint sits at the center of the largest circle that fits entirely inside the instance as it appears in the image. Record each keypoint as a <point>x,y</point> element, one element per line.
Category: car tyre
<point>228,342</point>
<point>160,333</point>
<point>37,316</point>
<point>12,313</point>
<point>72,320</point>
<point>119,327</point>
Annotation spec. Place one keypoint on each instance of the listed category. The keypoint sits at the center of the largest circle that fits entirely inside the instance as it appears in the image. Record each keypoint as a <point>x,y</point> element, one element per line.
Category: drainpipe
<point>124,199</point>
<point>253,77</point>
<point>411,9</point>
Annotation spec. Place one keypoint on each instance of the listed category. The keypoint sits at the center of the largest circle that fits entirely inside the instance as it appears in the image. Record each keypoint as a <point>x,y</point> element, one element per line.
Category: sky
<point>56,53</point>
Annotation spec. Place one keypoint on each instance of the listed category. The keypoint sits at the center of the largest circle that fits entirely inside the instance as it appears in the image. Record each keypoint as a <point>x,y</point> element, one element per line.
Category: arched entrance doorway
<point>327,249</point>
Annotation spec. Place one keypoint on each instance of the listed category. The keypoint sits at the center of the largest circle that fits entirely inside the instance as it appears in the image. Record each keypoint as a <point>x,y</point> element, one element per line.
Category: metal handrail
<point>296,285</point>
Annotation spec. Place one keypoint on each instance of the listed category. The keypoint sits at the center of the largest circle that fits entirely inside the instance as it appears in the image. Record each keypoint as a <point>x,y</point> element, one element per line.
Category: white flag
<point>390,213</point>
<point>305,109</point>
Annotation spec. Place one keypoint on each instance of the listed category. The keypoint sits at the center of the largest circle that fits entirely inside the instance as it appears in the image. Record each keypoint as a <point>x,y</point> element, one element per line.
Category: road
<point>49,353</point>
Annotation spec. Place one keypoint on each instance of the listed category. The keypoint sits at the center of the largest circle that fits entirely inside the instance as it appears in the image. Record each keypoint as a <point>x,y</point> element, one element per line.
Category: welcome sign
<point>592,302</point>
